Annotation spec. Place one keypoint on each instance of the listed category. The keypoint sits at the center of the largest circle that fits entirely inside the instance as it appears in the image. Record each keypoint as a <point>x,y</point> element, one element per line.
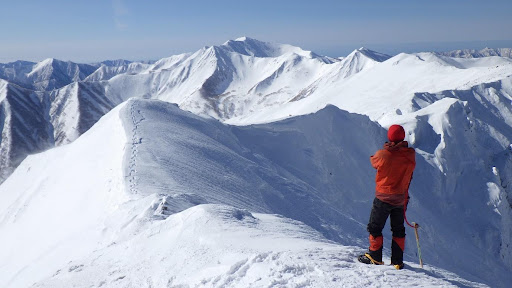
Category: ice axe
<point>416,226</point>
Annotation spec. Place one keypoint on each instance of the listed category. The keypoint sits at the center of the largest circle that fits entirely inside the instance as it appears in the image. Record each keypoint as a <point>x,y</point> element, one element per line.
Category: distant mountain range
<point>232,82</point>
<point>472,53</point>
<point>68,98</point>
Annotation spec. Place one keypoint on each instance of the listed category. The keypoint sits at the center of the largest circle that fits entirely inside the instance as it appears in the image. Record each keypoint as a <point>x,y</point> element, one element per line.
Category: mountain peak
<point>374,55</point>
<point>243,38</point>
<point>253,47</point>
<point>42,65</point>
<point>47,61</point>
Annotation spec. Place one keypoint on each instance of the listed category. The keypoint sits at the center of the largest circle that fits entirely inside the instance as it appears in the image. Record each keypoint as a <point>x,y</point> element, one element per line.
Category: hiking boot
<point>398,266</point>
<point>367,259</point>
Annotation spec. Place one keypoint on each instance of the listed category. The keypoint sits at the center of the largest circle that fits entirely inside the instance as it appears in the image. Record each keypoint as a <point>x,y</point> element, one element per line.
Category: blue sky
<point>94,30</point>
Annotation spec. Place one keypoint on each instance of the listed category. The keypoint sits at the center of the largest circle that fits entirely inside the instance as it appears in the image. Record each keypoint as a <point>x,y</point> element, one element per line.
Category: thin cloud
<point>120,11</point>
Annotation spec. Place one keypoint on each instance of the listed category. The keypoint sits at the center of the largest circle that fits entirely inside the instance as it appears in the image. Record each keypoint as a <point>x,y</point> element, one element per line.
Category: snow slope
<point>57,215</point>
<point>221,246</point>
<point>136,214</point>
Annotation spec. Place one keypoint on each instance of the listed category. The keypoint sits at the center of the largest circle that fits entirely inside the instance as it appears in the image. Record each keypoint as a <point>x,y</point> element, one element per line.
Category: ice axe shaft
<point>416,226</point>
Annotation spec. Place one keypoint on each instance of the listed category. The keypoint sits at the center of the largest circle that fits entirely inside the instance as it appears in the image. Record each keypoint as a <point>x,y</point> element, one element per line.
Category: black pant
<point>379,215</point>
<point>378,218</point>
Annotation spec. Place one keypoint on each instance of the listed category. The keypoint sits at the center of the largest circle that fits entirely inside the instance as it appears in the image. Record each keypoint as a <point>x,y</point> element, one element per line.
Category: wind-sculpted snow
<point>136,214</point>
<point>276,168</point>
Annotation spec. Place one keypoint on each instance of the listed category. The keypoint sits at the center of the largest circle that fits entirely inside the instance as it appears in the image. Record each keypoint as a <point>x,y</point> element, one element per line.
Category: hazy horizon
<point>98,30</point>
<point>386,48</point>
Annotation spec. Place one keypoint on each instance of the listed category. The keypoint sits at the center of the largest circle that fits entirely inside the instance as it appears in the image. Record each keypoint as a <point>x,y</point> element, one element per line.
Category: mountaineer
<point>395,164</point>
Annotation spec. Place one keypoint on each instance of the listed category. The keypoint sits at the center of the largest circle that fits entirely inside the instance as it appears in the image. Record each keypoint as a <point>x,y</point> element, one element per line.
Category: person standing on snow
<point>395,164</point>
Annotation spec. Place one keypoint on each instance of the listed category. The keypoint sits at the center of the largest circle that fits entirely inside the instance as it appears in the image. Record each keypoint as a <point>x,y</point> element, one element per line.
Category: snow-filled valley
<point>258,176</point>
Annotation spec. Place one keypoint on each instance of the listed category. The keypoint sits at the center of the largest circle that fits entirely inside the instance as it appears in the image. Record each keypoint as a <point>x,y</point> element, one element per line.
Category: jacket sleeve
<point>376,159</point>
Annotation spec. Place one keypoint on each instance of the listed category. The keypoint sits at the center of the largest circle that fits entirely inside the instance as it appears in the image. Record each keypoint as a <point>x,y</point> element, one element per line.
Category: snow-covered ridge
<point>146,197</point>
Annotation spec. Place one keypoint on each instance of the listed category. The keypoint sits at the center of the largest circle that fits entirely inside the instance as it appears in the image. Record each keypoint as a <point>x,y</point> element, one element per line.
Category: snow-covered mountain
<point>229,81</point>
<point>24,124</point>
<point>472,53</point>
<point>174,198</point>
<point>312,168</point>
<point>226,81</point>
<point>51,74</point>
<point>75,108</point>
<point>37,116</point>
<point>46,75</point>
<point>34,121</point>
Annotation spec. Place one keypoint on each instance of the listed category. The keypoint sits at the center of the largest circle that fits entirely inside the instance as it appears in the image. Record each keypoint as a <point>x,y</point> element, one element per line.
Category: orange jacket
<point>395,164</point>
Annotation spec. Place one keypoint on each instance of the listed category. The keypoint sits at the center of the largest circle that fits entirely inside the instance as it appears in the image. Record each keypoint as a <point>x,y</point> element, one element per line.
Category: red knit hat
<point>396,133</point>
